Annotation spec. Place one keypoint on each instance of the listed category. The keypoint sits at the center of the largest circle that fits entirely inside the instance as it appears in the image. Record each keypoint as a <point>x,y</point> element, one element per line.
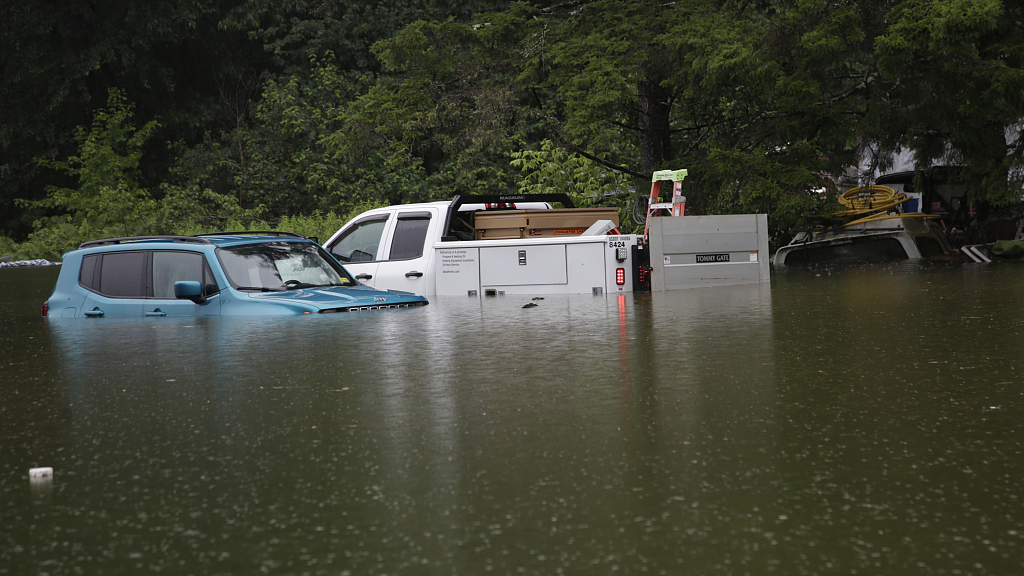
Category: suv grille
<point>372,307</point>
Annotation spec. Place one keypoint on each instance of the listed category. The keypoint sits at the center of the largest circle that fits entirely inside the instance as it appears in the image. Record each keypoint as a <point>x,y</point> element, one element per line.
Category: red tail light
<point>46,308</point>
<point>620,276</point>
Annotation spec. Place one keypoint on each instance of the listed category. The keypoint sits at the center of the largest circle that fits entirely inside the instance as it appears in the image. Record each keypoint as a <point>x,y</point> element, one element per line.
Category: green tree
<point>444,124</point>
<point>273,156</point>
<point>954,91</point>
<point>274,151</point>
<point>759,103</point>
<point>60,59</point>
<point>108,199</point>
<point>108,194</point>
<point>337,32</point>
<point>555,170</point>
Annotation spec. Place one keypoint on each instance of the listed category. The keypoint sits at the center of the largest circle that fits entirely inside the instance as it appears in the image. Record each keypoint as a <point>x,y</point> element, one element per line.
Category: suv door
<point>406,267</point>
<point>115,283</point>
<point>141,283</point>
<point>170,266</point>
<point>359,247</point>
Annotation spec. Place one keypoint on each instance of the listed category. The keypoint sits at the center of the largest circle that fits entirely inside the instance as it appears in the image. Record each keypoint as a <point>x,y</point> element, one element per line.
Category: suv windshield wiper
<point>259,288</point>
<point>296,285</point>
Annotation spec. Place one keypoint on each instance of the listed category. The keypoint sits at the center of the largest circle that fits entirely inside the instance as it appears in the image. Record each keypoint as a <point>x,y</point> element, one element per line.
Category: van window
<point>410,233</point>
<point>360,242</point>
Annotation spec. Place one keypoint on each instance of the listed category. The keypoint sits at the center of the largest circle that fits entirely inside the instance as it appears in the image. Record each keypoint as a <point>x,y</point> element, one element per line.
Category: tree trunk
<point>989,163</point>
<point>653,124</point>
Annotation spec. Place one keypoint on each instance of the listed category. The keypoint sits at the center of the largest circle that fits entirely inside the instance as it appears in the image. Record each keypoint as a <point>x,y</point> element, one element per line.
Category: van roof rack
<point>126,239</point>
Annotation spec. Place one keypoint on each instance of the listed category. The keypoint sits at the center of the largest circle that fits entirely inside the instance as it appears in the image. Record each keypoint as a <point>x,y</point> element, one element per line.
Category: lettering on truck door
<point>358,248</point>
<point>406,265</point>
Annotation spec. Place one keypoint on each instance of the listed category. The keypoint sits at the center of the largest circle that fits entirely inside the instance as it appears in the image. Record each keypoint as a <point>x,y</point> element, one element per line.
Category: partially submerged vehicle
<point>222,274</point>
<point>977,231</point>
<point>871,229</point>
<point>492,245</point>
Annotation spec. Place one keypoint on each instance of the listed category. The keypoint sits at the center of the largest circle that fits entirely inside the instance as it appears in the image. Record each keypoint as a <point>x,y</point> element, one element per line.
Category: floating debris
<point>40,475</point>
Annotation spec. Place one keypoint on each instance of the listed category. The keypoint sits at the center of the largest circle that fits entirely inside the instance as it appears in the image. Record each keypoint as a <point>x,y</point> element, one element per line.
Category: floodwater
<point>855,420</point>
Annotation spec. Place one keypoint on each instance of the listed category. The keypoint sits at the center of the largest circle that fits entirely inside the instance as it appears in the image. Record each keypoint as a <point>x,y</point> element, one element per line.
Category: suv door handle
<point>363,276</point>
<point>156,312</point>
<point>94,313</point>
<point>413,274</point>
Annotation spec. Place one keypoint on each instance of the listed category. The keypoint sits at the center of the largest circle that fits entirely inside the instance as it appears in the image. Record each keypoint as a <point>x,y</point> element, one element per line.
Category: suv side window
<point>144,274</point>
<point>118,274</point>
<point>361,242</point>
<point>410,232</point>
<point>170,267</point>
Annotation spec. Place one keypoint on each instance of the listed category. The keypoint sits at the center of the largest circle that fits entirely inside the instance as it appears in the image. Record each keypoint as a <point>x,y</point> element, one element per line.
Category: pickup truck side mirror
<point>189,290</point>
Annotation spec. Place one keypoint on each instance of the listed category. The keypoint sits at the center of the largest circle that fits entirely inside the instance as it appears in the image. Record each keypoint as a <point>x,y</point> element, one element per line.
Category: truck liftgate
<point>701,251</point>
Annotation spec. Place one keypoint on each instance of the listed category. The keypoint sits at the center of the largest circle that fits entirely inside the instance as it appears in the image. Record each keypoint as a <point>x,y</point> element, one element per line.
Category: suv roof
<point>217,238</point>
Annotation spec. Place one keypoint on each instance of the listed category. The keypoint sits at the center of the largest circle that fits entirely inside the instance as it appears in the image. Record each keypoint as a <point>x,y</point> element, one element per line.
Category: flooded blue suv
<point>233,273</point>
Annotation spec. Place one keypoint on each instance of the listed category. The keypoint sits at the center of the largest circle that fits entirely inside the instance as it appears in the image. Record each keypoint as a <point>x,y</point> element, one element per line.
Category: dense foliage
<point>210,114</point>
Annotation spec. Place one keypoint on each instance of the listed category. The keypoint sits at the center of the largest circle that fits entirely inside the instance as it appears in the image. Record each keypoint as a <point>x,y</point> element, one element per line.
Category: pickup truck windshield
<point>272,266</point>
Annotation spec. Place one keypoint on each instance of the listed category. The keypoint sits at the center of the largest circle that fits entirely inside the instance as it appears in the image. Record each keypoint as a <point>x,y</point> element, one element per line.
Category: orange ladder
<point>677,207</point>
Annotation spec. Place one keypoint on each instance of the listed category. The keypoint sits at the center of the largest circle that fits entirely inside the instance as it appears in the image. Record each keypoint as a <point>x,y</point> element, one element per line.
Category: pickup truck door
<point>409,251</point>
<point>359,248</point>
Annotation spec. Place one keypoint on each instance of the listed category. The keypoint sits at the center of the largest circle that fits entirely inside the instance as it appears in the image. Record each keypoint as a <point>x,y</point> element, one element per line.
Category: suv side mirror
<point>189,290</point>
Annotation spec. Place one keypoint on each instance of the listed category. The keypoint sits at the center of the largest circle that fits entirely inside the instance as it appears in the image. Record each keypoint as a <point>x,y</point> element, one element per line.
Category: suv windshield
<point>272,266</point>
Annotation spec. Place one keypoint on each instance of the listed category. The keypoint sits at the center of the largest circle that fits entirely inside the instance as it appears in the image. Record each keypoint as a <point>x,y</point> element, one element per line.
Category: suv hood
<point>338,296</point>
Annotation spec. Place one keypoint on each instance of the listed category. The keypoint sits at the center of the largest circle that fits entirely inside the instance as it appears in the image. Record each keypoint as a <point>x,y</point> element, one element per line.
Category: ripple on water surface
<point>845,419</point>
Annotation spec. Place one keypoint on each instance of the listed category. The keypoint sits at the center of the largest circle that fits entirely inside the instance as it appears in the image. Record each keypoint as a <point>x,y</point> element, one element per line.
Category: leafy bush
<point>322,225</point>
<point>555,170</point>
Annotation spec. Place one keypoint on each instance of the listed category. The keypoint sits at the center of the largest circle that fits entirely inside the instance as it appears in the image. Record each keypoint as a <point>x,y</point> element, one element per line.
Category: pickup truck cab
<point>483,245</point>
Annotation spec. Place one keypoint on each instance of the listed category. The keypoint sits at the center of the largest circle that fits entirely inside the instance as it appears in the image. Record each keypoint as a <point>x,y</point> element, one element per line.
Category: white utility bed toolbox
<point>587,264</point>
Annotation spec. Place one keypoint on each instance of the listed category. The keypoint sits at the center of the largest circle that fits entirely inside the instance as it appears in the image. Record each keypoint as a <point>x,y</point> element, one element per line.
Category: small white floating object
<point>40,475</point>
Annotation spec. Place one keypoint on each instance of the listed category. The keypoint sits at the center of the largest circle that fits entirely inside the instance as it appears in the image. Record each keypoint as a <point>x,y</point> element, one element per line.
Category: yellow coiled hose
<point>869,203</point>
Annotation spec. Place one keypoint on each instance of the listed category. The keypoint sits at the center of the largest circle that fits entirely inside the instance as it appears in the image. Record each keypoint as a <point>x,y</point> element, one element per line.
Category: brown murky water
<point>857,420</point>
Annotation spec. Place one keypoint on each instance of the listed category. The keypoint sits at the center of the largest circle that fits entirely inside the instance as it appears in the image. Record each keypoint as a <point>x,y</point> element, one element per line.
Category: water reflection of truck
<point>520,244</point>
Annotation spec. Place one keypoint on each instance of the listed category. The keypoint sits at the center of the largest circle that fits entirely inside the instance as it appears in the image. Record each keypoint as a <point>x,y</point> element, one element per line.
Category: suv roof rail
<point>254,233</point>
<point>166,238</point>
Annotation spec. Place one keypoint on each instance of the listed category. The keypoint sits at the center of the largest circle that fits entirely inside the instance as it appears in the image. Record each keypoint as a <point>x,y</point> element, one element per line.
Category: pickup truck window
<point>360,242</point>
<point>410,233</point>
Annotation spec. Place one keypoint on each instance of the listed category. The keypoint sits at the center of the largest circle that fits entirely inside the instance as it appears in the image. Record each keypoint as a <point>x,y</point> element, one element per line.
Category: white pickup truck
<point>492,245</point>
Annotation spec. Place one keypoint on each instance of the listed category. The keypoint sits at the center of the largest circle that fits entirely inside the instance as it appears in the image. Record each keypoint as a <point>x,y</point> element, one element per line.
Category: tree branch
<point>611,166</point>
